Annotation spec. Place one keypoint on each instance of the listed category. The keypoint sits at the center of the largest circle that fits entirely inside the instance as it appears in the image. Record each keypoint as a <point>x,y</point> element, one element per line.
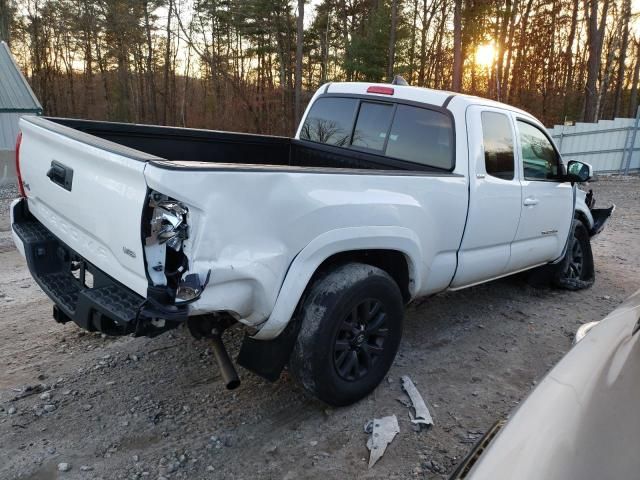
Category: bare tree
<point>167,67</point>
<point>151,79</point>
<point>595,37</point>
<point>299,51</point>
<point>247,64</point>
<point>633,101</point>
<point>392,39</point>
<point>6,19</point>
<point>456,84</point>
<point>624,45</point>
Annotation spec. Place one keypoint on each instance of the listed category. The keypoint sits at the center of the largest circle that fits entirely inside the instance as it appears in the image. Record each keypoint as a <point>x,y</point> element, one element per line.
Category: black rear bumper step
<point>106,305</point>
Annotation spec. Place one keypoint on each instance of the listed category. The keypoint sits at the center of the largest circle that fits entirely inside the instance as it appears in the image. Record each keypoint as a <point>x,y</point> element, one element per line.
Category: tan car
<point>581,422</point>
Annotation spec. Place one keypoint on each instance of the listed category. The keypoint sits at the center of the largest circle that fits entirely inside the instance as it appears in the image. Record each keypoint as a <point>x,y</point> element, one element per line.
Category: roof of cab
<point>417,94</point>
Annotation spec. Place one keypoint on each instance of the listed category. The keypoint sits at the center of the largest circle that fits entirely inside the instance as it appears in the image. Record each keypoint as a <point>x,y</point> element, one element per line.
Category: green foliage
<point>7,14</point>
<point>367,52</point>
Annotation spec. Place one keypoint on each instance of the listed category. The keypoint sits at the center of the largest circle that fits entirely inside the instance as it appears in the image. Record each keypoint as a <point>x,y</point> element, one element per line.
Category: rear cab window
<point>372,126</point>
<point>409,136</point>
<point>330,121</point>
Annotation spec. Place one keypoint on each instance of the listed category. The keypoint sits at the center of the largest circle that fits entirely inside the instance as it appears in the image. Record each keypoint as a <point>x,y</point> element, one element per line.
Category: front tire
<point>576,270</point>
<point>350,332</point>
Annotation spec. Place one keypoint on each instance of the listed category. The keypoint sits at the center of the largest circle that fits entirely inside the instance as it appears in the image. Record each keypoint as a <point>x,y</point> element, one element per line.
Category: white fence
<point>611,146</point>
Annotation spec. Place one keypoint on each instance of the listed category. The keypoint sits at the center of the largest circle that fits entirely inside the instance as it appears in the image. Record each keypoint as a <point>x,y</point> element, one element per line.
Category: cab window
<point>372,126</point>
<point>423,136</point>
<point>330,121</point>
<point>539,159</point>
<point>497,140</point>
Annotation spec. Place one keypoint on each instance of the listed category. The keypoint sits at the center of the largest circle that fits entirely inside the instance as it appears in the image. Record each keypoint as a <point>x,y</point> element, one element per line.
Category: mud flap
<point>267,358</point>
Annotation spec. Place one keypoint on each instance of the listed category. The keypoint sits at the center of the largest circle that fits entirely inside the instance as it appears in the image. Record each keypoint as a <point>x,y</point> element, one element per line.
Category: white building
<point>16,99</point>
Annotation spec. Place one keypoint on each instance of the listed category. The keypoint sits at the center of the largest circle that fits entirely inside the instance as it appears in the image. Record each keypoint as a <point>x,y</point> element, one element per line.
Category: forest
<point>252,65</point>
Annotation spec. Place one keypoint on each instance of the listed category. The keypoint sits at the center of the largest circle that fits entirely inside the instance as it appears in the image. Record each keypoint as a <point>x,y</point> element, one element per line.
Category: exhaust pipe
<point>227,370</point>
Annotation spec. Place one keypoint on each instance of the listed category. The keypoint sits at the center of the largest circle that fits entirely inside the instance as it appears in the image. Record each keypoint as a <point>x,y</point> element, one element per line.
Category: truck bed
<point>182,145</point>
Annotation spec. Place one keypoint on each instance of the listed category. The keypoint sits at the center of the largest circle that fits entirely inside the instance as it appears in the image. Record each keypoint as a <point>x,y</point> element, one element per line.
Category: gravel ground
<point>152,408</point>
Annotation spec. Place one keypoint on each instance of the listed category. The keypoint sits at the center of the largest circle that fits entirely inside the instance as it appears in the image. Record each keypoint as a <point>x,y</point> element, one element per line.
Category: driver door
<point>547,201</point>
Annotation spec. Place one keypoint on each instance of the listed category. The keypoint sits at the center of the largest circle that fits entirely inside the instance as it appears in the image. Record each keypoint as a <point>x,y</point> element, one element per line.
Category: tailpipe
<point>227,370</point>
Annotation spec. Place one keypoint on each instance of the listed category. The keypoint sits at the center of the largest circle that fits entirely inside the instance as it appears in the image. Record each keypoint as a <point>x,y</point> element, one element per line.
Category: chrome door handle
<point>530,201</point>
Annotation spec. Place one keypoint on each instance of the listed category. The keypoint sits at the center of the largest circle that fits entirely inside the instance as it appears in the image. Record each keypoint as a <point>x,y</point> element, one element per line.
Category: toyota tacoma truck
<point>312,244</point>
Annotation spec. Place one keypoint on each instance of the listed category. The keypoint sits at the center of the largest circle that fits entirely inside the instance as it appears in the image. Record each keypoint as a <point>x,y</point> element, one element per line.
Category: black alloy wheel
<point>575,262</point>
<point>360,340</point>
<point>576,270</point>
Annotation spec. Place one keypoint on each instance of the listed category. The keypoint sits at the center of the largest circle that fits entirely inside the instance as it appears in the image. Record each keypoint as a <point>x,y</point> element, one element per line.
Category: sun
<point>485,55</point>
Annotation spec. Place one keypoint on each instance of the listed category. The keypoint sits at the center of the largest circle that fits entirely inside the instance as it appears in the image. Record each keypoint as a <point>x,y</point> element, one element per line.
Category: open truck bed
<point>211,146</point>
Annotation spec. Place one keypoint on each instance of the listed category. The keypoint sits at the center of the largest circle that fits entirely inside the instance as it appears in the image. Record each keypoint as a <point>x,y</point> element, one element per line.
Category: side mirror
<point>579,171</point>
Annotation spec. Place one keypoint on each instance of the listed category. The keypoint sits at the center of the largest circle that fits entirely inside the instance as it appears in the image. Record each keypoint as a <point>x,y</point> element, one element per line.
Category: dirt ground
<point>152,408</point>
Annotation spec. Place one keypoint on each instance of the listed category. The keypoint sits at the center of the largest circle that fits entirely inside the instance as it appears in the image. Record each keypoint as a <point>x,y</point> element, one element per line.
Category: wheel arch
<point>582,218</point>
<point>395,250</point>
<point>582,213</point>
<point>393,262</point>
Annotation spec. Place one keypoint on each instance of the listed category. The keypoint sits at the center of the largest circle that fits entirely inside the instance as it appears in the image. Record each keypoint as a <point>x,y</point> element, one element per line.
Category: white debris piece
<point>422,416</point>
<point>383,431</point>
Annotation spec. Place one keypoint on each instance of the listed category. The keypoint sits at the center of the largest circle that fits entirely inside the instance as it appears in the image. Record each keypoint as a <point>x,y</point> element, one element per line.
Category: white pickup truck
<point>313,244</point>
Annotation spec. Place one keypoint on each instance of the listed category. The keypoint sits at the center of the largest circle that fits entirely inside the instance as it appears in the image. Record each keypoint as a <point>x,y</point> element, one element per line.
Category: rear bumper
<point>81,292</point>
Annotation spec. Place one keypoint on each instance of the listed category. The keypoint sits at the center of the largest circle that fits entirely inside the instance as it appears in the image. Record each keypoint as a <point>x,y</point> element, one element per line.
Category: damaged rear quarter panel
<point>248,225</point>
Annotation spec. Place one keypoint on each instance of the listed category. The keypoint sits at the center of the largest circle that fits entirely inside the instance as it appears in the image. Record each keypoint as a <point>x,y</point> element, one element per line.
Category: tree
<point>633,101</point>
<point>595,37</point>
<point>7,12</point>
<point>151,91</point>
<point>367,51</point>
<point>299,45</point>
<point>167,64</point>
<point>456,84</point>
<point>624,45</point>
<point>392,39</point>
<point>249,64</point>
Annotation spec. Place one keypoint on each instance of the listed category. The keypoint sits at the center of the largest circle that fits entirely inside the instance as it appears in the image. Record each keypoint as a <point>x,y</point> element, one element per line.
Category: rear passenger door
<point>495,197</point>
<point>547,200</point>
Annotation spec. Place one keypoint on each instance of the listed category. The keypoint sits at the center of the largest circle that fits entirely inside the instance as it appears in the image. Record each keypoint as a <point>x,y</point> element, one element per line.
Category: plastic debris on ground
<point>383,431</point>
<point>422,416</point>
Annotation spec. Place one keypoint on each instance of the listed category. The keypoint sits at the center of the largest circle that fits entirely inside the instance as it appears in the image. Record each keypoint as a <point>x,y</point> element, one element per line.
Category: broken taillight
<point>167,231</point>
<point>19,176</point>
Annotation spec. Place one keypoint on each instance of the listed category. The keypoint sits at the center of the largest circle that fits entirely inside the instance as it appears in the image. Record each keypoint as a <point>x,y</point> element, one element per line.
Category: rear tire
<point>351,325</point>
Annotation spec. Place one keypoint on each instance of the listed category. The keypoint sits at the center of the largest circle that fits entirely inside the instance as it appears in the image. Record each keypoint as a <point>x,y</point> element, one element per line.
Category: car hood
<point>581,422</point>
